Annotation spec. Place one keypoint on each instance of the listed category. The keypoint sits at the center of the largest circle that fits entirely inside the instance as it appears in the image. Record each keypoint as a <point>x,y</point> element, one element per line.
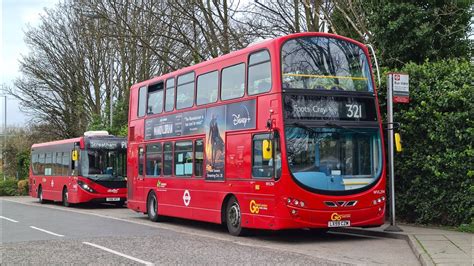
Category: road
<point>32,233</point>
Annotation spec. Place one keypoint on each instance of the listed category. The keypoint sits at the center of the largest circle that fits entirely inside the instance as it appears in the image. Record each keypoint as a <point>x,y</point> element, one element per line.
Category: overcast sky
<point>15,16</point>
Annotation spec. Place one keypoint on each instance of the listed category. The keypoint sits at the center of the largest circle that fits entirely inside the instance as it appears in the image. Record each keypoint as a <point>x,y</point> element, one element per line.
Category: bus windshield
<point>334,159</point>
<point>321,63</point>
<point>104,165</point>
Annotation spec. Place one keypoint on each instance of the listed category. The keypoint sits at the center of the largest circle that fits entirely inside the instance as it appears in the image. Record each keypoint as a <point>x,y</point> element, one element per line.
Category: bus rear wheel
<point>234,218</point>
<point>66,198</point>
<point>152,207</point>
<point>40,195</point>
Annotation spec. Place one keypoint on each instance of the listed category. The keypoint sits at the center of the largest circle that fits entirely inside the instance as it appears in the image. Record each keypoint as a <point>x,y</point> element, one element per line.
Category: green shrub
<point>9,187</point>
<point>435,171</point>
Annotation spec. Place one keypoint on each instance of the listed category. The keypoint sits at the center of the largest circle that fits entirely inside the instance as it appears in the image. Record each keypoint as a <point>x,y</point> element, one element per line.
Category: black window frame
<point>203,162</point>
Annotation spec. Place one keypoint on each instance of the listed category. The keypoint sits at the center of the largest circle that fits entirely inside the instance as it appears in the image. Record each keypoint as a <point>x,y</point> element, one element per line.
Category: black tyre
<point>234,218</point>
<point>152,207</point>
<point>40,195</point>
<point>66,198</point>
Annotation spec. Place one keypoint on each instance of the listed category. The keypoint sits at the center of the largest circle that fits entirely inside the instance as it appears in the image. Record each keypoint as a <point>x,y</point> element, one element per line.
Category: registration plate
<point>339,223</point>
<point>112,199</point>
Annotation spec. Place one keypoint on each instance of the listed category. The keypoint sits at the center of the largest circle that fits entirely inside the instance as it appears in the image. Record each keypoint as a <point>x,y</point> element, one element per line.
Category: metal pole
<point>4,140</point>
<point>393,226</point>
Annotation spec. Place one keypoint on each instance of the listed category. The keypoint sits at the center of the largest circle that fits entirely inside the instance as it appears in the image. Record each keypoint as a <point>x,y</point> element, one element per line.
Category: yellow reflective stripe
<point>324,77</point>
<point>356,183</point>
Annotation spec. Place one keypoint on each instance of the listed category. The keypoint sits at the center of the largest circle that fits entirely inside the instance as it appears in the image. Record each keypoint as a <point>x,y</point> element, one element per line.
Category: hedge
<point>434,173</point>
<point>12,187</point>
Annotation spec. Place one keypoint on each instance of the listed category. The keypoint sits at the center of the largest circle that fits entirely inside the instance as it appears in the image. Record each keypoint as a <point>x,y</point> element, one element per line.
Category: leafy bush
<point>9,187</point>
<point>435,171</point>
<point>23,187</point>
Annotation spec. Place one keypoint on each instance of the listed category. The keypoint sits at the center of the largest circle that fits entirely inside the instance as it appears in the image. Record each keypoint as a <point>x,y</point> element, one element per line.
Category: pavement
<point>432,246</point>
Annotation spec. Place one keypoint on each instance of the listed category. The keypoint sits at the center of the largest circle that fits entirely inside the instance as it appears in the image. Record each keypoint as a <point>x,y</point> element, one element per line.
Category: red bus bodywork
<point>265,203</point>
<point>55,182</point>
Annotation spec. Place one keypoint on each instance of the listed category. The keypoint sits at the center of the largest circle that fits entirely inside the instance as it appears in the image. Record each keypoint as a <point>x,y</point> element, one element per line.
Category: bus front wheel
<point>234,218</point>
<point>152,207</point>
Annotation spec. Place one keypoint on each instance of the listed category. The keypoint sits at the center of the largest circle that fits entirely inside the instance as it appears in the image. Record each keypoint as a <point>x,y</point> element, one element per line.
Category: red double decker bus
<point>90,168</point>
<point>285,133</point>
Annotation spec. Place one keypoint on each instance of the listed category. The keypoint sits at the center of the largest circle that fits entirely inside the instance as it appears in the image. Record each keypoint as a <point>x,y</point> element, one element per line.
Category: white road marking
<point>46,231</point>
<point>118,253</point>
<point>8,219</point>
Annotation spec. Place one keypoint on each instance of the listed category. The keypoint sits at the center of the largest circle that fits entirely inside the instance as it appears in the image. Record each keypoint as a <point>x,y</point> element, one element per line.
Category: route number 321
<point>354,110</point>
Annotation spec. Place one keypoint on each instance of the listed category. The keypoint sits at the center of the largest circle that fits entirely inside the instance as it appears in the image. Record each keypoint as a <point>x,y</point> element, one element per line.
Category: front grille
<point>112,184</point>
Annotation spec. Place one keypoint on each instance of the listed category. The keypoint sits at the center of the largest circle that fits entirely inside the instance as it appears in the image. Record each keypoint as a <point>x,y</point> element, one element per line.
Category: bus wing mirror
<point>398,142</point>
<point>75,155</point>
<point>267,149</point>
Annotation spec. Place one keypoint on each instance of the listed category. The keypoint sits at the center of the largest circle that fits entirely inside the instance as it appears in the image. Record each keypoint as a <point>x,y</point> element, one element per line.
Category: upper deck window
<point>233,82</point>
<point>185,91</point>
<point>141,101</point>
<point>155,99</point>
<point>260,74</point>
<point>321,63</point>
<point>207,86</point>
<point>169,105</point>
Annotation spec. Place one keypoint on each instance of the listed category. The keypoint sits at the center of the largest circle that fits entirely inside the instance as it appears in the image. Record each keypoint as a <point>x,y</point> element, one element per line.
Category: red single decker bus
<point>285,133</point>
<point>90,168</point>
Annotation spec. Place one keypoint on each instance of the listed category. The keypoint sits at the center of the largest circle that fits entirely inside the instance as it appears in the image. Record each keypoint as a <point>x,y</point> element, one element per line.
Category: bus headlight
<point>85,186</point>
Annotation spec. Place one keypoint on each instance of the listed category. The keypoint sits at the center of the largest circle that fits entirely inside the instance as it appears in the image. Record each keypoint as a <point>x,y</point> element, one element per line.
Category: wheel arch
<point>224,206</point>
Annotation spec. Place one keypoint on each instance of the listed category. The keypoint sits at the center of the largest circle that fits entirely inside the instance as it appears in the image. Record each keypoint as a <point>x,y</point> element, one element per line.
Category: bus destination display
<point>301,107</point>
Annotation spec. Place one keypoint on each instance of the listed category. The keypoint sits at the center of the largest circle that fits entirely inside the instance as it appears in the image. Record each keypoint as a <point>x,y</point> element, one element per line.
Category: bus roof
<point>251,48</point>
<point>58,142</point>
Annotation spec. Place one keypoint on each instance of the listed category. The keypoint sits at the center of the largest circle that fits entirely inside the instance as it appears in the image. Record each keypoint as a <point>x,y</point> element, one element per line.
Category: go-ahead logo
<point>337,217</point>
<point>186,197</point>
<point>256,207</point>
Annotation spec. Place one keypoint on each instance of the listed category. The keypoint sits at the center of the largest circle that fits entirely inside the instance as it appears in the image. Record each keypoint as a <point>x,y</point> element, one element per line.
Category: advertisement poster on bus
<point>215,146</point>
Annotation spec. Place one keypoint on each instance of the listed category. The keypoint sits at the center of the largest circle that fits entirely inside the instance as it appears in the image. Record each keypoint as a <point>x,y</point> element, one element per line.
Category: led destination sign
<point>105,143</point>
<point>303,107</point>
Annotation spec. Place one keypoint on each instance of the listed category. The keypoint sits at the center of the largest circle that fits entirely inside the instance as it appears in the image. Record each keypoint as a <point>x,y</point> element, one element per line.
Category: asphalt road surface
<point>32,233</point>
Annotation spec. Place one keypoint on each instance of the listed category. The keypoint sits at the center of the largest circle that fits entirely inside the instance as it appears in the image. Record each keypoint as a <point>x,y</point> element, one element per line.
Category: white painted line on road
<point>8,219</point>
<point>46,231</point>
<point>118,253</point>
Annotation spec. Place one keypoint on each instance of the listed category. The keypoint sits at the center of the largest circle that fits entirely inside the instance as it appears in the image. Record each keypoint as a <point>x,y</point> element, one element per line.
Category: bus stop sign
<point>400,87</point>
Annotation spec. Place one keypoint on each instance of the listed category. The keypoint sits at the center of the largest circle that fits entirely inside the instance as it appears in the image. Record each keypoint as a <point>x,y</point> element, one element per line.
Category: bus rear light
<point>294,212</point>
<point>295,202</point>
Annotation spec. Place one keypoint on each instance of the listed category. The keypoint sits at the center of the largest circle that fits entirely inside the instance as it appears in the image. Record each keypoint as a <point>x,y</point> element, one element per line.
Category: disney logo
<point>240,120</point>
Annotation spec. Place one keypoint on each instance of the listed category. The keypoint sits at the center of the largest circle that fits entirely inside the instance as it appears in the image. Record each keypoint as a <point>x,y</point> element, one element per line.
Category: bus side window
<point>153,160</point>
<point>183,158</point>
<point>141,157</point>
<point>142,92</point>
<point>185,91</point>
<point>198,157</point>
<point>259,73</point>
<point>155,99</point>
<point>261,166</point>
<point>168,159</point>
<point>233,82</point>
<point>207,87</point>
<point>169,97</point>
